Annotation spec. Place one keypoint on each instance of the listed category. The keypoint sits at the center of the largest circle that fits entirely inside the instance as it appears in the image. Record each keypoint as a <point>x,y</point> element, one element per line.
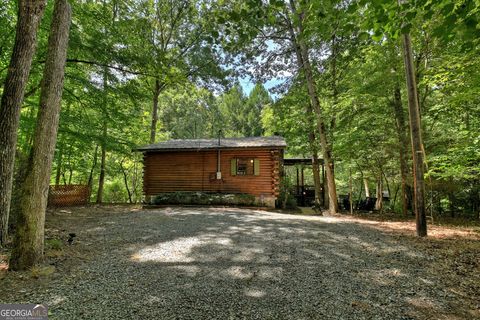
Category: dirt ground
<point>227,263</point>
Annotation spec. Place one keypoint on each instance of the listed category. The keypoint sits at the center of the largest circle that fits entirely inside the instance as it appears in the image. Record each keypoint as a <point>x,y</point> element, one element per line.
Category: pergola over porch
<point>305,194</point>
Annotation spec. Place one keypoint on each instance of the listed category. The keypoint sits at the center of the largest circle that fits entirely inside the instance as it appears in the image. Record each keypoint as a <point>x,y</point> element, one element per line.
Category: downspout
<point>219,172</point>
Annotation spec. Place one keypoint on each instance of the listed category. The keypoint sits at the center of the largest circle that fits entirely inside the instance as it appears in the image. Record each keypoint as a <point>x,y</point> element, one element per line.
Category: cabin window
<point>245,167</point>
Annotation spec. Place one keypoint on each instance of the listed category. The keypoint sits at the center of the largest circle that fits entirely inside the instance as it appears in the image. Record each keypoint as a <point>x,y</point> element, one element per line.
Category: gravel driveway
<point>217,263</point>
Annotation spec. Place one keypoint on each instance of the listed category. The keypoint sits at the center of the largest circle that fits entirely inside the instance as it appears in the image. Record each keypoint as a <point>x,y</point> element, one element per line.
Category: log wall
<point>195,171</point>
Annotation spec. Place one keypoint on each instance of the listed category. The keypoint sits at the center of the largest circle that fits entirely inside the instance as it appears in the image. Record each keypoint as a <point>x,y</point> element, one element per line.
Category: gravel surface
<point>225,263</point>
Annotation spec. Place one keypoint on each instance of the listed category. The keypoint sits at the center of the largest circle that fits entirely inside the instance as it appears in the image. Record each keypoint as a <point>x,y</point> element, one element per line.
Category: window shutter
<point>233,167</point>
<point>256,167</point>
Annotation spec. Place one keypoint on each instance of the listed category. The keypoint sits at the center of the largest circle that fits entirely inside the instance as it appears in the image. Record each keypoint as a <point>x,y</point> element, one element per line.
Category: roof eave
<point>206,148</point>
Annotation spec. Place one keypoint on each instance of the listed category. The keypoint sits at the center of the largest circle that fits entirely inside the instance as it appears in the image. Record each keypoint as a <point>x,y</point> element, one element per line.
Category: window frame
<point>250,171</point>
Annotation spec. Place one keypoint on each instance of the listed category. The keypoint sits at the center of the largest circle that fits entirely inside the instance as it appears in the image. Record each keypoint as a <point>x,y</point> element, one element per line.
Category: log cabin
<point>226,165</point>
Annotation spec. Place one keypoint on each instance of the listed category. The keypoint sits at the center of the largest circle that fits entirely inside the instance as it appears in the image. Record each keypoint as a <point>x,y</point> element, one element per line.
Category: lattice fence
<point>68,195</point>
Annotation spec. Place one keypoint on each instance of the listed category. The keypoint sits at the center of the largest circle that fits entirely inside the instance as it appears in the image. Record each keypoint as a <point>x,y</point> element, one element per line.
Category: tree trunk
<point>125,180</point>
<point>379,194</point>
<point>332,189</point>
<point>360,193</point>
<point>103,146</point>
<point>315,168</point>
<point>70,174</point>
<point>333,56</point>
<point>303,62</point>
<point>416,138</point>
<point>387,184</point>
<point>367,189</point>
<point>94,165</point>
<point>29,16</point>
<point>29,237</point>
<point>350,187</point>
<point>58,172</point>
<point>135,181</point>
<point>58,167</point>
<point>101,178</point>
<point>156,94</point>
<point>395,197</point>
<point>403,147</point>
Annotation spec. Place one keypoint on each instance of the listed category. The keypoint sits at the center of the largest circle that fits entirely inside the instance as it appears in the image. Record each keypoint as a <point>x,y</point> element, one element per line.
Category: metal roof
<point>225,143</point>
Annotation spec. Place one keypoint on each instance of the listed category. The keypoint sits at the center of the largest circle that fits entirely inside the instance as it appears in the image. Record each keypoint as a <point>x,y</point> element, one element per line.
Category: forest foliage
<point>187,58</point>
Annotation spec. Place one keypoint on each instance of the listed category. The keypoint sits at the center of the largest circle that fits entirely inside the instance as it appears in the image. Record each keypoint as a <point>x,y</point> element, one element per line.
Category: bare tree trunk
<point>416,138</point>
<point>101,178</point>
<point>360,193</point>
<point>367,189</point>
<point>103,145</point>
<point>403,147</point>
<point>303,62</point>
<point>61,148</point>
<point>125,180</point>
<point>333,56</point>
<point>395,197</point>
<point>70,174</point>
<point>29,237</point>
<point>156,94</point>
<point>58,172</point>
<point>135,180</point>
<point>90,176</point>
<point>29,16</point>
<point>315,168</point>
<point>387,184</point>
<point>332,189</point>
<point>379,193</point>
<point>350,187</point>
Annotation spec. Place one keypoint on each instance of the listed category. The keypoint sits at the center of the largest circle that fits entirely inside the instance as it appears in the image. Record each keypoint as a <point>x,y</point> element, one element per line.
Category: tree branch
<point>100,64</point>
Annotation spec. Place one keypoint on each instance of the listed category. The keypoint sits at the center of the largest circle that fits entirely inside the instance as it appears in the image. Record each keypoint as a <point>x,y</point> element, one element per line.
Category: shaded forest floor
<point>239,263</point>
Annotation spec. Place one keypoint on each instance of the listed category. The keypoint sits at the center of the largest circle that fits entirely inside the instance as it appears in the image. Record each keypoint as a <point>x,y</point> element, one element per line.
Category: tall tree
<point>401,128</point>
<point>190,112</point>
<point>29,16</point>
<point>282,117</point>
<point>232,107</point>
<point>317,183</point>
<point>174,47</point>
<point>103,144</point>
<point>416,137</point>
<point>303,61</point>
<point>256,101</point>
<point>29,239</point>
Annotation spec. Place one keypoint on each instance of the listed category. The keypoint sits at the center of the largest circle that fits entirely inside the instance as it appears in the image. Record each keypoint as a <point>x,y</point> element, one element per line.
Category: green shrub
<point>204,198</point>
<point>114,192</point>
<point>291,202</point>
<point>245,199</point>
